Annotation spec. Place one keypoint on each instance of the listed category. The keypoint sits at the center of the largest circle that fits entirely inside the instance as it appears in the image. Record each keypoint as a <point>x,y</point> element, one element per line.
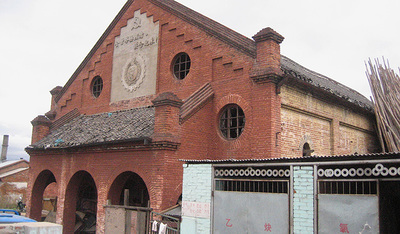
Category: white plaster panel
<point>135,59</point>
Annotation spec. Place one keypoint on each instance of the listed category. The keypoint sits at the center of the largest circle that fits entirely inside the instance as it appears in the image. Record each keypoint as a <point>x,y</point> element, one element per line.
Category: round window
<point>97,86</point>
<point>181,66</point>
<point>231,122</point>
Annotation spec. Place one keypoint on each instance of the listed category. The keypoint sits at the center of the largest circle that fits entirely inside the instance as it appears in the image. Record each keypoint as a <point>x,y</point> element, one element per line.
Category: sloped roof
<point>214,28</point>
<point>391,156</point>
<point>119,126</point>
<point>11,162</point>
<point>315,79</point>
<point>241,43</point>
<point>15,171</point>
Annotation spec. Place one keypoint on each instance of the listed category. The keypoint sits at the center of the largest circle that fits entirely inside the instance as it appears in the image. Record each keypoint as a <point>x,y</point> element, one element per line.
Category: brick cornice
<point>167,99</point>
<point>267,75</point>
<point>268,34</point>
<point>112,147</point>
<point>41,120</point>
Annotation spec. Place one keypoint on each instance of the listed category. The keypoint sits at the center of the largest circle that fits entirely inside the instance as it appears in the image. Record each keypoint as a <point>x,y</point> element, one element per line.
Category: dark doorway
<point>307,150</point>
<point>389,206</point>
<point>138,194</point>
<point>80,204</point>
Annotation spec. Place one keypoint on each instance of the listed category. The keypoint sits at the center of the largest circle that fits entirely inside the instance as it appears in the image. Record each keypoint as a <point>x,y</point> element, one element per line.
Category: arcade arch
<point>138,193</point>
<point>44,179</point>
<point>80,205</point>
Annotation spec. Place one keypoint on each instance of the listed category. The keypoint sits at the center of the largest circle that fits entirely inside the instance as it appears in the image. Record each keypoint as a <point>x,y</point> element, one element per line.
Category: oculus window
<point>231,122</point>
<point>97,86</point>
<point>181,66</point>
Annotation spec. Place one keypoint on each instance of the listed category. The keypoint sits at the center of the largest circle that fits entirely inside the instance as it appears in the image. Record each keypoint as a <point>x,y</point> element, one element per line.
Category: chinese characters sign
<point>196,209</point>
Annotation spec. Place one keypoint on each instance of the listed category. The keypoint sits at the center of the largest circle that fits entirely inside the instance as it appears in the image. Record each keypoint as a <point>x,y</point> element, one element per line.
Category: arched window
<point>231,122</point>
<point>307,150</point>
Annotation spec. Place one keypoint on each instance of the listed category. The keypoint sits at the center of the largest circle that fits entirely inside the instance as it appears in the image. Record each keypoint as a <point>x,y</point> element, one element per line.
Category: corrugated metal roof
<point>297,159</point>
<point>174,211</point>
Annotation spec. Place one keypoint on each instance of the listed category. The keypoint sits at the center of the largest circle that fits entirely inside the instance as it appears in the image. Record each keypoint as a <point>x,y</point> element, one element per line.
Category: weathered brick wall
<point>21,176</point>
<point>160,171</point>
<point>197,187</point>
<point>51,191</point>
<point>14,166</point>
<point>330,129</point>
<point>12,188</point>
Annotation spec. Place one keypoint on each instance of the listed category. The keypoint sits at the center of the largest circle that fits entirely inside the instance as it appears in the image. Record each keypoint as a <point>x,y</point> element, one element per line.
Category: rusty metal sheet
<point>242,212</point>
<point>348,214</point>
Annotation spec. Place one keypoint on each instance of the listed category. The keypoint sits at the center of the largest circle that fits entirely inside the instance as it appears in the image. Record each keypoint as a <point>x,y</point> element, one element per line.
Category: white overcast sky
<point>42,42</point>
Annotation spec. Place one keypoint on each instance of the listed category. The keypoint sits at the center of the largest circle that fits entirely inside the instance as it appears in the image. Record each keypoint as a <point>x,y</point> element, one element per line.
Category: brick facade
<point>238,70</point>
<point>329,128</point>
<point>13,182</point>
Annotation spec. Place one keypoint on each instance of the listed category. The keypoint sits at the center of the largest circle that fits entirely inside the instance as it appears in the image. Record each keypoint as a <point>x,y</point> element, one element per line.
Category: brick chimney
<point>41,128</point>
<point>267,78</point>
<point>166,126</point>
<point>54,93</point>
<point>4,148</point>
<point>267,67</point>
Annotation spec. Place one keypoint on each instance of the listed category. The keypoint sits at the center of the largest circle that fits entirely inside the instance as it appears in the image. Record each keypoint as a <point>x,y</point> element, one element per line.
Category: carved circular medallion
<point>133,73</point>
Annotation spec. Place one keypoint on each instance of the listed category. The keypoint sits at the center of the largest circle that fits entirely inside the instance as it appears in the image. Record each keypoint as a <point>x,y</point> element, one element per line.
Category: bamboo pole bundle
<point>385,89</point>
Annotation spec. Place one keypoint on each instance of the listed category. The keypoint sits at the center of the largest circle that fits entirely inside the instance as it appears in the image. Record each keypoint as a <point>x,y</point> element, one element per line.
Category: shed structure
<point>334,194</point>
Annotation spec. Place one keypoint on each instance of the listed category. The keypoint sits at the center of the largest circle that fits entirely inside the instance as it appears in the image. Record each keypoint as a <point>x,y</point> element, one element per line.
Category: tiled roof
<point>119,126</point>
<point>315,79</point>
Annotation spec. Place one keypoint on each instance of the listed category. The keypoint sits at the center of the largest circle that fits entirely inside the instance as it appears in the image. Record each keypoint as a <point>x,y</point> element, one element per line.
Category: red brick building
<point>13,182</point>
<point>165,83</point>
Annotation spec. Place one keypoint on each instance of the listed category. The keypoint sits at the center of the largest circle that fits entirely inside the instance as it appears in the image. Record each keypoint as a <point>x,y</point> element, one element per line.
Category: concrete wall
<point>31,228</point>
<point>303,199</point>
<point>196,198</point>
<point>135,59</point>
